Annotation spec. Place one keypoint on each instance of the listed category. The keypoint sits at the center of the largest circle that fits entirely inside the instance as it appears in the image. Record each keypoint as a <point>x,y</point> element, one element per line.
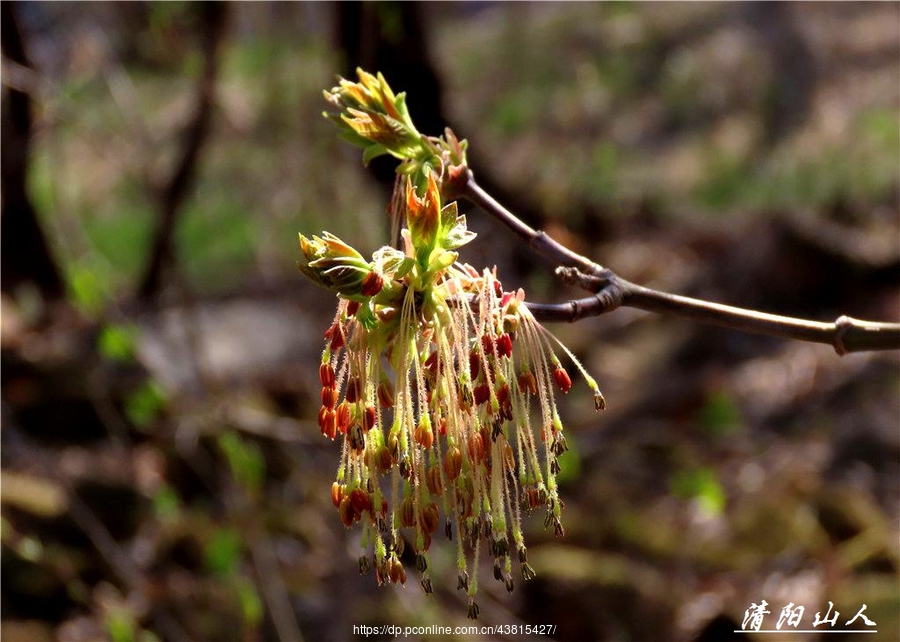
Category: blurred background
<point>163,477</point>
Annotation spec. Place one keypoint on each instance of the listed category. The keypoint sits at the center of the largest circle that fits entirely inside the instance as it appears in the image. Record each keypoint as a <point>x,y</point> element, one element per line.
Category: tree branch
<point>176,190</point>
<point>610,291</point>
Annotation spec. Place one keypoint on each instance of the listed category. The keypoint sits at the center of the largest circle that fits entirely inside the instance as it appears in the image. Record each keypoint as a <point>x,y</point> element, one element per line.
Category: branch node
<point>842,324</point>
<point>588,282</point>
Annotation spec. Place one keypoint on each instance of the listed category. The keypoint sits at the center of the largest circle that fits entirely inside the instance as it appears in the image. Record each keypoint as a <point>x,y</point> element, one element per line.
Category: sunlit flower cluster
<point>441,387</point>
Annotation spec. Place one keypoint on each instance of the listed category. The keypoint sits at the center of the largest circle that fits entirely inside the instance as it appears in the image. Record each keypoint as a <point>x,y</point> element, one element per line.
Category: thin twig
<point>610,291</point>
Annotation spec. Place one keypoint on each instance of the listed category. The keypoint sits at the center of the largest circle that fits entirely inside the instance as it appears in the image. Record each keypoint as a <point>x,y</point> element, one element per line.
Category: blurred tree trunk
<point>175,191</point>
<point>392,37</point>
<point>389,37</point>
<point>26,256</point>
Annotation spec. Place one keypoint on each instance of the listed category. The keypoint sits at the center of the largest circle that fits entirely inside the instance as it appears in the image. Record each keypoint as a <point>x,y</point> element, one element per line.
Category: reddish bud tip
<point>372,284</point>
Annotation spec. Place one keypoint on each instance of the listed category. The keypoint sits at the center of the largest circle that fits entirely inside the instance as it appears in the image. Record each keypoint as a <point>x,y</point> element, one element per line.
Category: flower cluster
<point>441,386</point>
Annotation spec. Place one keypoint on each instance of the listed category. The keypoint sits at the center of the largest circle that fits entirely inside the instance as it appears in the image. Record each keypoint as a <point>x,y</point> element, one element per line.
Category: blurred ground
<point>162,472</point>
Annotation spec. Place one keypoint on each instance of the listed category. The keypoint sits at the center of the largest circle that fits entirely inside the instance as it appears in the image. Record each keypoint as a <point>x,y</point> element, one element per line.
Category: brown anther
<point>433,479</point>
<point>384,460</point>
<point>528,572</point>
<point>346,512</point>
<point>424,435</point>
<point>599,401</point>
<point>369,418</point>
<point>337,494</point>
<point>453,463</point>
<point>430,518</point>
<point>426,585</point>
<point>353,390</point>
<point>462,581</point>
<point>397,572</point>
<point>528,383</point>
<point>407,512</point>
<point>448,529</point>
<point>473,609</point>
<point>385,394</point>
<point>357,438</point>
<point>476,448</point>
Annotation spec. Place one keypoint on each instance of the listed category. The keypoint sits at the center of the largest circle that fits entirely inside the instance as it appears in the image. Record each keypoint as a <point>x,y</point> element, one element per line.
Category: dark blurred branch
<point>25,255</point>
<point>610,291</point>
<point>175,191</point>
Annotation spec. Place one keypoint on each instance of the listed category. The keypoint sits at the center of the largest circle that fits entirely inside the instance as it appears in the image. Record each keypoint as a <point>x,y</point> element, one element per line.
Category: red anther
<point>346,512</point>
<point>342,418</point>
<point>507,297</point>
<point>481,393</point>
<point>503,396</point>
<point>504,345</point>
<point>360,500</point>
<point>498,289</point>
<point>372,284</point>
<point>329,397</point>
<point>487,343</point>
<point>352,308</point>
<point>336,332</point>
<point>369,418</point>
<point>442,426</point>
<point>327,422</point>
<point>330,425</point>
<point>474,365</point>
<point>353,389</point>
<point>562,379</point>
<point>326,375</point>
